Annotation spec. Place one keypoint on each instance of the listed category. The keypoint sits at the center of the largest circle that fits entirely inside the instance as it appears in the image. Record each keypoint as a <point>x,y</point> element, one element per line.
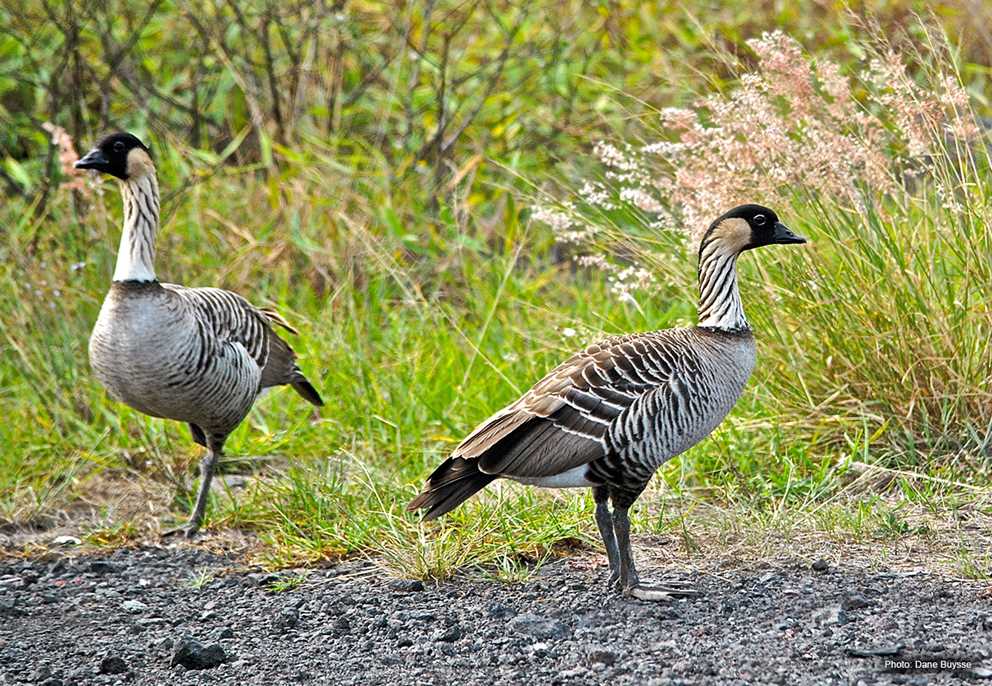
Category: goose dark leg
<point>207,466</point>
<point>604,521</point>
<point>630,583</point>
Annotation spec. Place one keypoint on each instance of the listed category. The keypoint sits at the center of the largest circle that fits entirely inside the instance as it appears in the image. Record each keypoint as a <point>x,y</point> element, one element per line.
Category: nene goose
<point>196,355</point>
<point>612,414</point>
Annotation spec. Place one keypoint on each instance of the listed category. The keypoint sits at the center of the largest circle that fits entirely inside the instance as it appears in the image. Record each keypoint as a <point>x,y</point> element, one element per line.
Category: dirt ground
<point>183,615</point>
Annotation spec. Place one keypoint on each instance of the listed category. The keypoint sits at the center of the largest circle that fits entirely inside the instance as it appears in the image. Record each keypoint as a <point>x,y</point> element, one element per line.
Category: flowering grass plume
<point>793,123</point>
<point>76,180</point>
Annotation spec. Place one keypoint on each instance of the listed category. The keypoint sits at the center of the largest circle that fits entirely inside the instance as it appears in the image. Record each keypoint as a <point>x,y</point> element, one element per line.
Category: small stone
<point>449,635</point>
<point>66,540</point>
<point>406,586</point>
<point>403,642</point>
<point>830,616</point>
<point>539,627</point>
<point>342,624</point>
<point>192,654</point>
<point>135,607</point>
<point>286,620</point>
<point>8,607</point>
<point>539,649</point>
<point>421,615</point>
<point>602,656</point>
<point>820,565</point>
<point>113,664</point>
<point>876,651</point>
<point>499,611</point>
<point>103,567</point>
<point>223,633</point>
<point>855,602</point>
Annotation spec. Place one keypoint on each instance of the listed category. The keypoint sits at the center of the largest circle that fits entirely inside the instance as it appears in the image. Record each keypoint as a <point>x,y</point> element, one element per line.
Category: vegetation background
<point>373,168</point>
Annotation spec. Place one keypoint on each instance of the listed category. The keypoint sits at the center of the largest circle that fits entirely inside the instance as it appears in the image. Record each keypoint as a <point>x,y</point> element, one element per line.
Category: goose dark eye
<point>119,146</point>
<point>759,219</point>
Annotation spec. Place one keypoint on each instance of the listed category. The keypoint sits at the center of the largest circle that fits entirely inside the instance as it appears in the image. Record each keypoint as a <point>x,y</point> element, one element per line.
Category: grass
<point>422,312</point>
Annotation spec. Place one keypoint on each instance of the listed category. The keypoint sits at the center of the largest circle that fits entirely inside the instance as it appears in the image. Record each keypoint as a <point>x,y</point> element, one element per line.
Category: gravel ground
<point>187,616</point>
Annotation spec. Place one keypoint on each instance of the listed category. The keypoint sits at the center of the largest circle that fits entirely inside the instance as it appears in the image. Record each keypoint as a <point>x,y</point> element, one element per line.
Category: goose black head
<point>119,154</point>
<point>746,227</point>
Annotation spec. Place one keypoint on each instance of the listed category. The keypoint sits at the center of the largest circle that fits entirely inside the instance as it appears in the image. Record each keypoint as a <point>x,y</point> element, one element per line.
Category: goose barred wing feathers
<point>224,317</point>
<point>593,405</point>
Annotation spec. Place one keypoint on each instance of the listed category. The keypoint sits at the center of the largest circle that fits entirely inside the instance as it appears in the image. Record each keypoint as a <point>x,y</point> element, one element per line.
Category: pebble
<point>113,664</point>
<point>831,615</point>
<point>192,654</point>
<point>499,611</point>
<point>103,567</point>
<point>539,627</point>
<point>286,620</point>
<point>66,540</point>
<point>474,630</point>
<point>820,565</point>
<point>602,655</point>
<point>449,635</point>
<point>855,601</point>
<point>135,607</point>
<point>406,585</point>
<point>223,633</point>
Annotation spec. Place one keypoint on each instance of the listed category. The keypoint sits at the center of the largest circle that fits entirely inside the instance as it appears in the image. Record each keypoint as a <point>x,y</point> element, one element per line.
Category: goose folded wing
<point>563,422</point>
<point>232,319</point>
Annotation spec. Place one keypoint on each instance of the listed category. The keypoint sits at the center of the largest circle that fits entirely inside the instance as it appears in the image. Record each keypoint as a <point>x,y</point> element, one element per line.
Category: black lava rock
<point>855,601</point>
<point>192,654</point>
<point>449,635</point>
<point>222,633</point>
<point>406,585</point>
<point>538,627</point>
<point>103,567</point>
<point>286,620</point>
<point>602,655</point>
<point>113,664</point>
<point>820,565</point>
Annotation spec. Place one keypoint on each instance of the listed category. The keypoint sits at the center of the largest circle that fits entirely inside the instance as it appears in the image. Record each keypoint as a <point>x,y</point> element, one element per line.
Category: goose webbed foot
<point>187,531</point>
<point>660,593</point>
<point>630,583</point>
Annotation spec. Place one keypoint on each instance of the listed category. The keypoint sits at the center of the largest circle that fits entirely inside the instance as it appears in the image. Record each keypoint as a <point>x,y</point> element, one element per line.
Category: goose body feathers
<point>197,355</point>
<point>611,414</point>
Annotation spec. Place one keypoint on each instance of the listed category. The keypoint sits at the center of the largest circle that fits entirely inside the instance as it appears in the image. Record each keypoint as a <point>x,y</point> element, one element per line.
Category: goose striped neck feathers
<point>742,228</point>
<point>125,157</point>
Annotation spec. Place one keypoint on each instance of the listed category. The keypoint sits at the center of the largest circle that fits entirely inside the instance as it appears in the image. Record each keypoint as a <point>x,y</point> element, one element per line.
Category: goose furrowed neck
<point>136,255</point>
